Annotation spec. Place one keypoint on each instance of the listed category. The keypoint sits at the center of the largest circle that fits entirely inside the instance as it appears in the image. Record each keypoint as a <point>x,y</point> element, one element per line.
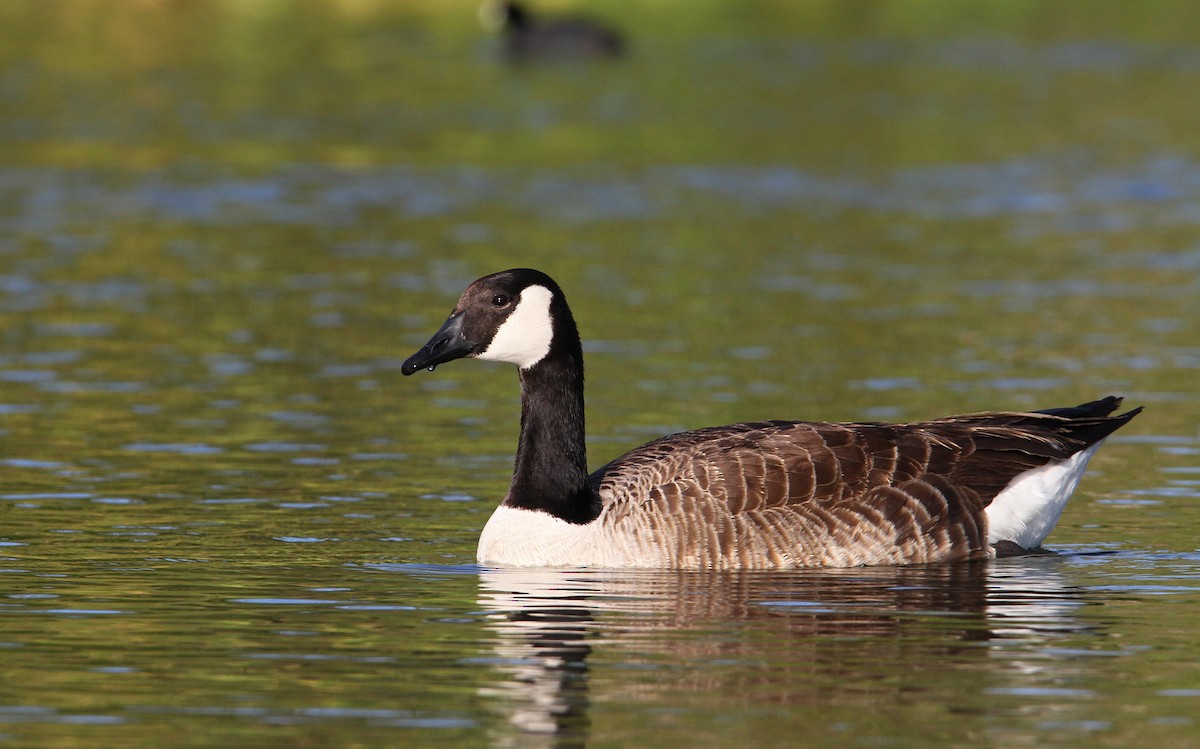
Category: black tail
<point>1102,407</point>
<point>1090,422</point>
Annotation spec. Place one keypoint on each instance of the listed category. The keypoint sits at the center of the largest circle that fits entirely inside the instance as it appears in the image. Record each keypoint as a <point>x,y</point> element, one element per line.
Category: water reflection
<point>811,637</point>
<point>541,654</point>
<point>1054,195</point>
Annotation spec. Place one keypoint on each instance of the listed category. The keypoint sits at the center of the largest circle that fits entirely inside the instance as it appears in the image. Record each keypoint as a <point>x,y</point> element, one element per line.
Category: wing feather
<point>773,494</point>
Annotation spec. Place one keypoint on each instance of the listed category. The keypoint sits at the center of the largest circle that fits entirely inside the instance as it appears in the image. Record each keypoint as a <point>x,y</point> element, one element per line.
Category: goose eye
<point>500,300</point>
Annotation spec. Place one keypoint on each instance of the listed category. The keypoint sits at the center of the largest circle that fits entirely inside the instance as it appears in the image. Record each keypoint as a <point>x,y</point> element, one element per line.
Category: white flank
<point>524,338</point>
<point>1027,509</point>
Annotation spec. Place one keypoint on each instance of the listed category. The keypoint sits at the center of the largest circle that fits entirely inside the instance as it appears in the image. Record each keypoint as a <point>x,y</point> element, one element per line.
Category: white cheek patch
<point>524,337</point>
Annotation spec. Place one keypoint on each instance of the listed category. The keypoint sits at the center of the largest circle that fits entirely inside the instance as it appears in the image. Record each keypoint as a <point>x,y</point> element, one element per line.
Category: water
<point>225,518</point>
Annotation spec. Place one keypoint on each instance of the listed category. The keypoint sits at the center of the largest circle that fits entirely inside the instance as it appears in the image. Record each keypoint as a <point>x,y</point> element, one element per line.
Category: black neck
<point>551,467</point>
<point>515,17</point>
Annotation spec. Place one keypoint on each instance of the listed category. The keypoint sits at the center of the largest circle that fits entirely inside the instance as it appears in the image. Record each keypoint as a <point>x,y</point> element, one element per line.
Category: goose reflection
<point>771,634</point>
<point>543,625</point>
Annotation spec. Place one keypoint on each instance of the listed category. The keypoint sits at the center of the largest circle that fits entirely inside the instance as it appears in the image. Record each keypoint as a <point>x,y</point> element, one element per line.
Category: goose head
<point>511,316</point>
<point>496,16</point>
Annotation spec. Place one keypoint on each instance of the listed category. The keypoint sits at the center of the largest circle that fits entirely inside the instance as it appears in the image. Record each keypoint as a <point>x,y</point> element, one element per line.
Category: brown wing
<point>809,494</point>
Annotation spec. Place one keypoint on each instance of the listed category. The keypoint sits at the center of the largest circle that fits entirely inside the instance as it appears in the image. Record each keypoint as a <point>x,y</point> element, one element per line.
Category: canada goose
<point>770,494</point>
<point>526,36</point>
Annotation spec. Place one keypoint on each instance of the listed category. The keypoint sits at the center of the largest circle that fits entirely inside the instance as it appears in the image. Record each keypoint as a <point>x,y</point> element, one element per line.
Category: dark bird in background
<point>526,36</point>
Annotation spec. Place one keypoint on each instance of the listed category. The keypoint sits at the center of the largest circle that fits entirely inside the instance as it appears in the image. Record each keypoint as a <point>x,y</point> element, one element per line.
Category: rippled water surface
<point>226,519</point>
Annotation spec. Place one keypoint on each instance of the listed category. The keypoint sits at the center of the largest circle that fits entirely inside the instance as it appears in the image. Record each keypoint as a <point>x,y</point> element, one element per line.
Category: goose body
<point>774,494</point>
<point>528,37</point>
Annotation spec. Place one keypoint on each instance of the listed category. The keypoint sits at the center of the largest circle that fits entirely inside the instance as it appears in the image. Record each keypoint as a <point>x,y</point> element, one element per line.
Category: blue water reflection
<point>1067,194</point>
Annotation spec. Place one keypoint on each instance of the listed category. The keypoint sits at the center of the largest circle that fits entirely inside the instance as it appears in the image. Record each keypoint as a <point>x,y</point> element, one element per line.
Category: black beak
<point>447,344</point>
